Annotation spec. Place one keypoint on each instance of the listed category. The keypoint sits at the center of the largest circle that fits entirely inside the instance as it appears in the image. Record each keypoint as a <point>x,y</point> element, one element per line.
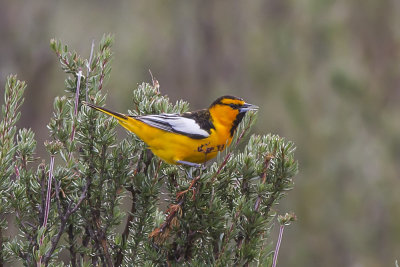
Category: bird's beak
<point>246,107</point>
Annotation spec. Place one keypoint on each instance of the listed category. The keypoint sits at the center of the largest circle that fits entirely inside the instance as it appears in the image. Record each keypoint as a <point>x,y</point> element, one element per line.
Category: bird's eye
<point>233,106</point>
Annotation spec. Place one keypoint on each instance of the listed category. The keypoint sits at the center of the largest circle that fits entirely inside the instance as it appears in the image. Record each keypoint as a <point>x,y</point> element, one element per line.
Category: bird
<point>190,138</point>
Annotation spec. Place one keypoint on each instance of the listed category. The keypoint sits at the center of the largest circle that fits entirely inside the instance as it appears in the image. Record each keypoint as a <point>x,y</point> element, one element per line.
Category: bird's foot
<point>188,163</point>
<point>189,172</point>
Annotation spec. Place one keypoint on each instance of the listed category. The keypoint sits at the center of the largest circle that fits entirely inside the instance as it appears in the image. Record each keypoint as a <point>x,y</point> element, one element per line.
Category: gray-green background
<point>326,74</point>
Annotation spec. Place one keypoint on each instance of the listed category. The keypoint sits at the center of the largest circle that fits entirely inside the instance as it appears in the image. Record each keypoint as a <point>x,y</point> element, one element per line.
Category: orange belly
<point>173,147</point>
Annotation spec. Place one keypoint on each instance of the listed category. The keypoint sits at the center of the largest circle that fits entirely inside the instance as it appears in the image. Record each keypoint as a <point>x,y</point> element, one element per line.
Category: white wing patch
<point>175,123</point>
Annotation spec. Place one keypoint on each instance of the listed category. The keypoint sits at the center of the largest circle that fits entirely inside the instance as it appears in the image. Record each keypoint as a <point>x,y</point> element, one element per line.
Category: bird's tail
<point>120,117</point>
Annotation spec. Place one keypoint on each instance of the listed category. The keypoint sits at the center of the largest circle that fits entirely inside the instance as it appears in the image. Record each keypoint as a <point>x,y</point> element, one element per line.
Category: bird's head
<point>232,104</point>
<point>229,110</point>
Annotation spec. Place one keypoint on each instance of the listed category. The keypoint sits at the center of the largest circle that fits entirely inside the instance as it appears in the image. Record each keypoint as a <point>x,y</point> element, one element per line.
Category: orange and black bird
<point>190,138</point>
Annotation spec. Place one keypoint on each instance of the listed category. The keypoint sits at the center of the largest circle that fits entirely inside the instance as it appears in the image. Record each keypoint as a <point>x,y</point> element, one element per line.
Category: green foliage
<point>220,215</point>
<point>14,90</point>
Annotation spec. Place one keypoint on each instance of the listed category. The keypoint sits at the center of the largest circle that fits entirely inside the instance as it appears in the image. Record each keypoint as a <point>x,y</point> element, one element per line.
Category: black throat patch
<point>236,122</point>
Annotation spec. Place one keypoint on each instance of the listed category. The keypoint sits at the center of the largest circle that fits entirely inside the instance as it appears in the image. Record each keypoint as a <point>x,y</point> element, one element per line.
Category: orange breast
<point>173,147</point>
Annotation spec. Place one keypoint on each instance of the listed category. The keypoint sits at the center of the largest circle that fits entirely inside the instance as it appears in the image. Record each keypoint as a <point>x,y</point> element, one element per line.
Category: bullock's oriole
<point>190,138</point>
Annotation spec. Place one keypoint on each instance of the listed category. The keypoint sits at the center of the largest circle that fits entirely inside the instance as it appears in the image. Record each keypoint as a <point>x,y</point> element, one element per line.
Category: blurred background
<point>326,75</point>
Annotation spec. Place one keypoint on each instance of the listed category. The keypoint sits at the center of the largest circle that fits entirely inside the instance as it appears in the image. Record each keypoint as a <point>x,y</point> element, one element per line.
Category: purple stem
<point>278,244</point>
<point>47,209</point>
<point>78,86</point>
<point>88,70</point>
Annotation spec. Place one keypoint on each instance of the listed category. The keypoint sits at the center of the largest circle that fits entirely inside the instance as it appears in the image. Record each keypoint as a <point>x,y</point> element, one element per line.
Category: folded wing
<point>175,123</point>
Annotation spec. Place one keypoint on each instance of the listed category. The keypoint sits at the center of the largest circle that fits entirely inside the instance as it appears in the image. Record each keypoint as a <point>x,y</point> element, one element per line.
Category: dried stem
<point>221,167</point>
<point>263,177</point>
<point>88,70</point>
<point>78,86</point>
<point>71,240</point>
<point>278,245</point>
<point>63,222</point>
<point>47,207</point>
<point>48,196</point>
<point>102,74</point>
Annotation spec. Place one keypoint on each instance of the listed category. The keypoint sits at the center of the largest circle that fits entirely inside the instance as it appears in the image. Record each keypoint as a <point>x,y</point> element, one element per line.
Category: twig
<point>157,171</point>
<point>263,178</point>
<point>227,236</point>
<point>125,233</point>
<point>58,201</point>
<point>102,74</point>
<point>155,83</point>
<point>152,78</point>
<point>96,210</point>
<point>230,153</point>
<point>82,197</point>
<point>173,210</point>
<point>180,195</point>
<point>276,192</point>
<point>42,181</point>
<point>63,222</point>
<point>105,249</point>
<point>88,70</point>
<point>63,61</point>
<point>72,250</point>
<point>221,167</point>
<point>47,207</point>
<point>78,86</point>
<point>278,244</point>
<point>244,131</point>
<point>48,196</point>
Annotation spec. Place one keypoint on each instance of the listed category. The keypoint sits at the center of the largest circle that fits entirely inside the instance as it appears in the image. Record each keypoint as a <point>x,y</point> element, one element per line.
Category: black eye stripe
<point>234,106</point>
